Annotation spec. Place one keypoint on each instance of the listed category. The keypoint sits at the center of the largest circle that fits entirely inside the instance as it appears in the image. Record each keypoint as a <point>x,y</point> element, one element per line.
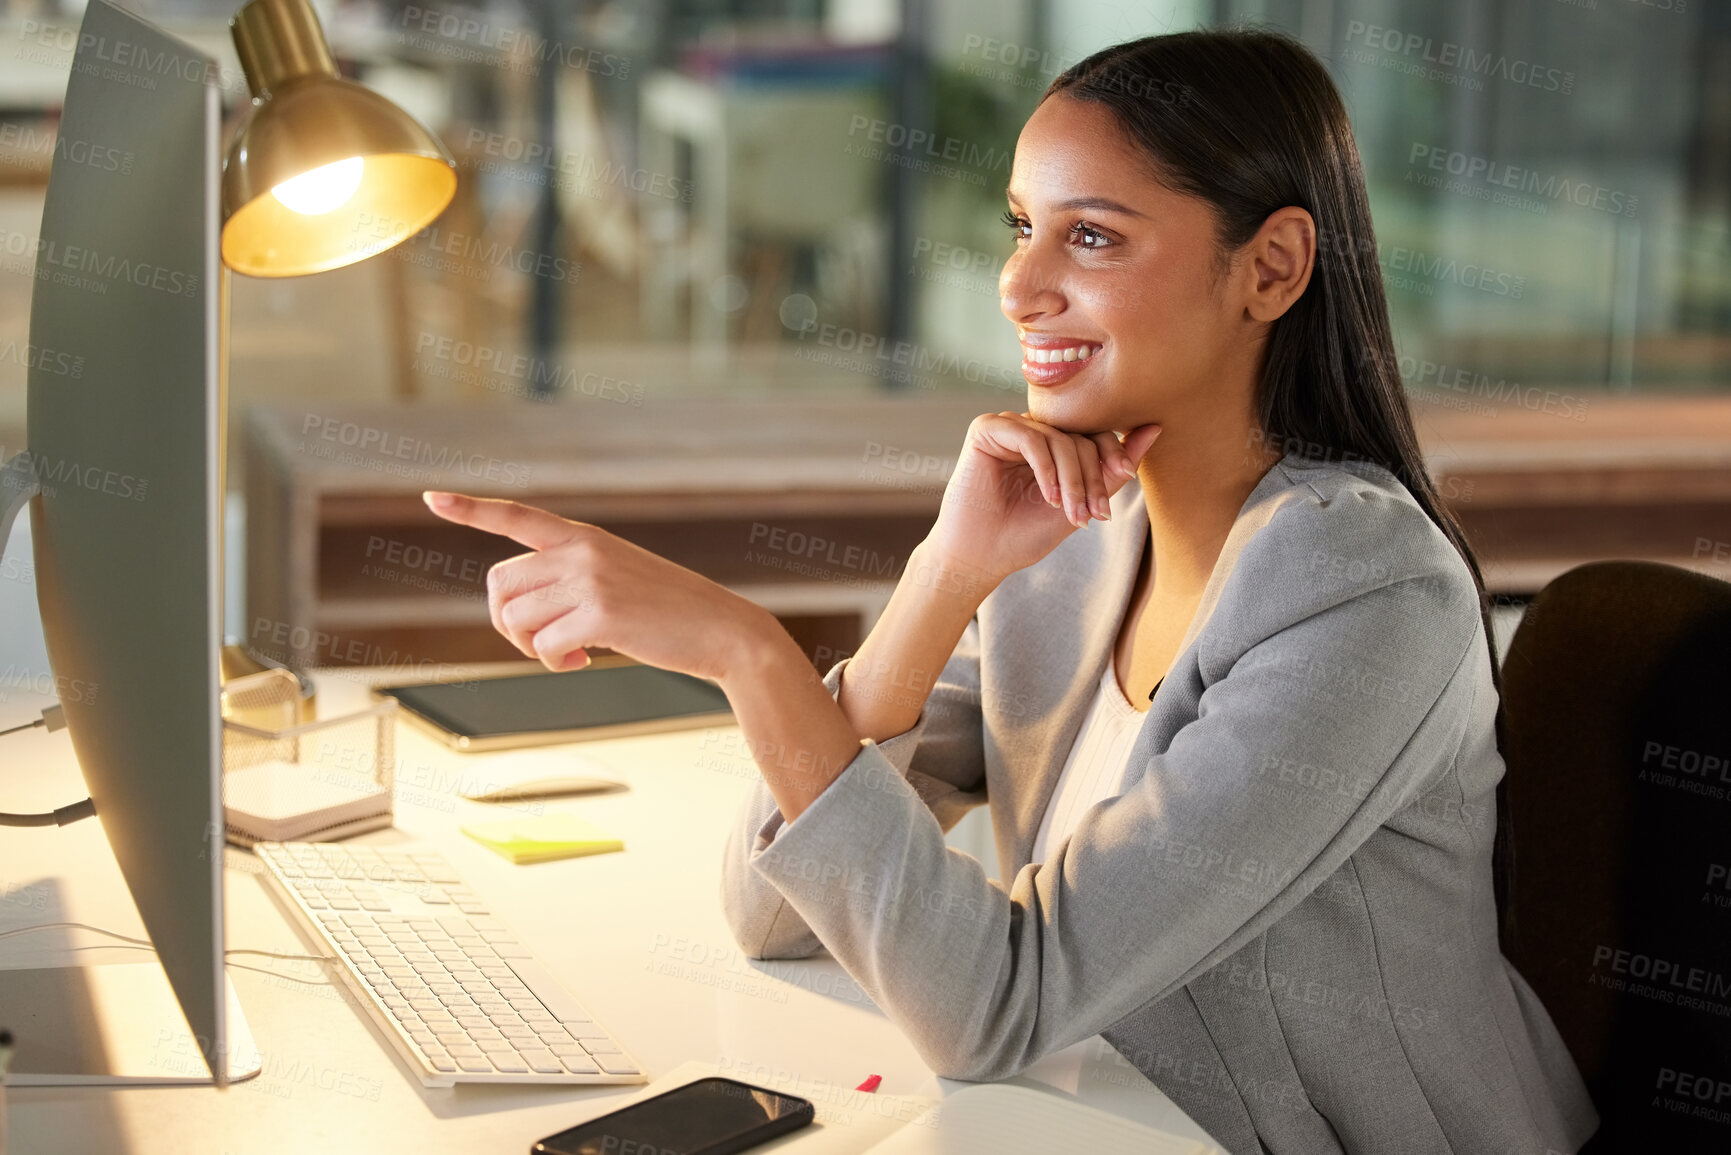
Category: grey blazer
<point>1285,921</point>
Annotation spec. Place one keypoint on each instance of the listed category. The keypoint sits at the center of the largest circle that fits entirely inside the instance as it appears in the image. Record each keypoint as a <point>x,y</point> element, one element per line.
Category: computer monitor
<point>124,439</point>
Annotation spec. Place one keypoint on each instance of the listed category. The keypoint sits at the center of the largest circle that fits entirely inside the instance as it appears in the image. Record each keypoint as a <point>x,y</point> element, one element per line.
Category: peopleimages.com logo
<point>1447,61</point>
<point>1485,178</point>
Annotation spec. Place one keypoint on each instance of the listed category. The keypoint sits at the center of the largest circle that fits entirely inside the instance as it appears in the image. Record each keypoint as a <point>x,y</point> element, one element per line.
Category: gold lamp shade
<point>323,172</point>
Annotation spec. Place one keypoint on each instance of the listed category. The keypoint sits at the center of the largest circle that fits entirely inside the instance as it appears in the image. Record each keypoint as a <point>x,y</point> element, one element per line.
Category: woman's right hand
<point>1020,487</point>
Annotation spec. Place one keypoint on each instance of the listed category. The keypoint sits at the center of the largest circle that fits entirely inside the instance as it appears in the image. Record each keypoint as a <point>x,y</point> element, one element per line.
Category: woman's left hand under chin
<point>581,586</point>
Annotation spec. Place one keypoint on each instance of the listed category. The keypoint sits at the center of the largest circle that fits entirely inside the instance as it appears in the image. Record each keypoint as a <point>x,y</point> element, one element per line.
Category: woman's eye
<point>1091,237</point>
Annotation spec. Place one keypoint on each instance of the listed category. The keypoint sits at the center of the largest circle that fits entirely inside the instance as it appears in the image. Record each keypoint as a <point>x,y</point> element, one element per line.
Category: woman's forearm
<point>884,688</point>
<point>793,728</point>
<point>800,737</point>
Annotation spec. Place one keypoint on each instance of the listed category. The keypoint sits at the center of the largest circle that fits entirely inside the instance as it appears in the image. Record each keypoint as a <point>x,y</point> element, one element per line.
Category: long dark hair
<point>1249,121</point>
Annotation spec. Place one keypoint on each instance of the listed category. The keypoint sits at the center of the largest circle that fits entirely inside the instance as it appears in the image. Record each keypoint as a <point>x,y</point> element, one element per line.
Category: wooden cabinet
<point>1539,492</point>
<point>810,506</point>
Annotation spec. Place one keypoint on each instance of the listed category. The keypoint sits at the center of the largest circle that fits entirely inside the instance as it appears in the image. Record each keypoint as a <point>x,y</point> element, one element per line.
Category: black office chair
<point>1617,733</point>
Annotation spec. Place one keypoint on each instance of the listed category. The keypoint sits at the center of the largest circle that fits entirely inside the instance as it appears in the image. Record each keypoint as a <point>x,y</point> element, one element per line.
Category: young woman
<point>1238,739</point>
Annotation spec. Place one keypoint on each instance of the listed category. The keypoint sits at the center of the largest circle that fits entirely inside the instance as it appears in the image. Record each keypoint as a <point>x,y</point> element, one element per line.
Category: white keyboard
<point>461,999</point>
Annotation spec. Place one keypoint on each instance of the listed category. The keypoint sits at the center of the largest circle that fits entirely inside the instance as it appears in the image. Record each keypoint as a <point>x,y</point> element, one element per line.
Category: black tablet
<point>600,701</point>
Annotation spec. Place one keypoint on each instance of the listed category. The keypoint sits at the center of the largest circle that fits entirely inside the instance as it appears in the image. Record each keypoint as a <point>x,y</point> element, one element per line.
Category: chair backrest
<point>1616,700</point>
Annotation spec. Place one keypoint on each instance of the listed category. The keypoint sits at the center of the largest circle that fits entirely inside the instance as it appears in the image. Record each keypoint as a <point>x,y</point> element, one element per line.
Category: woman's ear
<point>1280,258</point>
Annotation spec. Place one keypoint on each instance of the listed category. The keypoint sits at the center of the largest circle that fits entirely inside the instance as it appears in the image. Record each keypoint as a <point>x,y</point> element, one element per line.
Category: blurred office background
<point>760,203</point>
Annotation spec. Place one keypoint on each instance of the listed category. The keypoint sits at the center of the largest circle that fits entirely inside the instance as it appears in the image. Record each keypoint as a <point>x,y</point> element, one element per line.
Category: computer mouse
<point>552,786</point>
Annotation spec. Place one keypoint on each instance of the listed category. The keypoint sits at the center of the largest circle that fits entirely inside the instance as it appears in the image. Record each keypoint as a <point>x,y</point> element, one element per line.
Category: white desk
<point>639,936</point>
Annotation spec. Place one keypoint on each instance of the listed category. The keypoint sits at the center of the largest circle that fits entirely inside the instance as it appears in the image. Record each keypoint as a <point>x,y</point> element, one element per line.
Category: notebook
<point>1002,1119</point>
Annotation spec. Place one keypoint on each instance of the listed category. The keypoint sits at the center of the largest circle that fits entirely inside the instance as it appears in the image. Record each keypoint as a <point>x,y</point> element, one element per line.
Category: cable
<point>53,718</point>
<point>76,926</point>
<point>64,816</point>
<point>289,957</point>
<point>321,982</point>
<point>146,944</point>
<point>280,975</point>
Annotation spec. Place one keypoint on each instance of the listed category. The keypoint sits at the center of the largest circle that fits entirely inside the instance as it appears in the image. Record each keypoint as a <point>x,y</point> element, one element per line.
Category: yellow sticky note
<point>542,838</point>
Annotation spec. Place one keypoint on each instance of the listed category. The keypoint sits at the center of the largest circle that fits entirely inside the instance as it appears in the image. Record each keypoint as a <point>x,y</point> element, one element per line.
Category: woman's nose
<point>1028,288</point>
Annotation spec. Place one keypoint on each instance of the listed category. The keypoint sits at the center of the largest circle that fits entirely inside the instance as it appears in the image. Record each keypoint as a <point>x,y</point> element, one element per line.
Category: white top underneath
<point>1097,763</point>
<point>1094,770</point>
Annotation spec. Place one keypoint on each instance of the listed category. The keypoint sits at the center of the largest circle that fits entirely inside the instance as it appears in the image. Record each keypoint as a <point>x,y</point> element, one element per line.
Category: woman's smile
<point>1049,360</point>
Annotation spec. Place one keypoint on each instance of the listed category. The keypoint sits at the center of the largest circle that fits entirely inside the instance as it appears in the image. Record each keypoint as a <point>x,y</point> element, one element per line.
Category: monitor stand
<point>113,1023</point>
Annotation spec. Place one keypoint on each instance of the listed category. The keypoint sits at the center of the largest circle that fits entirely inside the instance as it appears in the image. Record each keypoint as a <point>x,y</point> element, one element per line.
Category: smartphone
<point>712,1116</point>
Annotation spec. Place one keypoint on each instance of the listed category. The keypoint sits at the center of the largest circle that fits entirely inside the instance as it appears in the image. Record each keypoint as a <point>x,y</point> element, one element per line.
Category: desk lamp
<point>322,172</point>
